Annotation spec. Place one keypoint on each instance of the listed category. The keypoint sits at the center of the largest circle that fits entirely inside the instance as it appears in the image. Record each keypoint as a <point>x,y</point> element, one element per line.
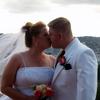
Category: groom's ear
<point>59,36</point>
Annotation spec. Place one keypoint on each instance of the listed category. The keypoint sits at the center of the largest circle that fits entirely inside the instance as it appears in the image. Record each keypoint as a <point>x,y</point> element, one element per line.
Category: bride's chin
<point>48,46</point>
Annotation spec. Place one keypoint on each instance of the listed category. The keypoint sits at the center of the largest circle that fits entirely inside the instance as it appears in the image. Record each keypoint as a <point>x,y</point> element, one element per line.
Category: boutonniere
<point>63,62</point>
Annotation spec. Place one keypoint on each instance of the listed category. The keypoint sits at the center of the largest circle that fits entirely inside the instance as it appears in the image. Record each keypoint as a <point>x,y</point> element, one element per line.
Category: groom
<point>75,76</point>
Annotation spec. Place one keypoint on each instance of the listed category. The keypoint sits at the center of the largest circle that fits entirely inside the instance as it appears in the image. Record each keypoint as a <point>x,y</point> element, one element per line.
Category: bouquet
<point>43,92</point>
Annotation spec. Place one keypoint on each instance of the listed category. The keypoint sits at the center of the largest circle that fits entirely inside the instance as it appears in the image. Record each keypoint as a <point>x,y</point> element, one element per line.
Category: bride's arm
<point>8,80</point>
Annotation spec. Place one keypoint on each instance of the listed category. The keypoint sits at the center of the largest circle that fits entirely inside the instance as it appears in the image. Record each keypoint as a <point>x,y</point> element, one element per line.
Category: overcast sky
<point>27,6</point>
<point>83,14</point>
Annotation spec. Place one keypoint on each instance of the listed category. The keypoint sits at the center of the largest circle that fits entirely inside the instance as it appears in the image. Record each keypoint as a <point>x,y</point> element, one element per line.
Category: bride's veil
<point>11,44</point>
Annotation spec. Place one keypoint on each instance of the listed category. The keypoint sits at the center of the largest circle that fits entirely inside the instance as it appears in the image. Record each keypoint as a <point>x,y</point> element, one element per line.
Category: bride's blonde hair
<point>31,30</point>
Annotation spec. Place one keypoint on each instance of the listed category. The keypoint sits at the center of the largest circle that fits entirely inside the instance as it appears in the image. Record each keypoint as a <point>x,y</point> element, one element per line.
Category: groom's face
<point>54,38</point>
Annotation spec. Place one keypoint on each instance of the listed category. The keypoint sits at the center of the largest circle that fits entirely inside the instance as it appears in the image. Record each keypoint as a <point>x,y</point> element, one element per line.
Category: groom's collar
<point>73,42</point>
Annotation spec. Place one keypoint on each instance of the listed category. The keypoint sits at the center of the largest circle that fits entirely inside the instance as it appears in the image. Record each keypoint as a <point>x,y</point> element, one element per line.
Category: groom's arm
<point>87,76</point>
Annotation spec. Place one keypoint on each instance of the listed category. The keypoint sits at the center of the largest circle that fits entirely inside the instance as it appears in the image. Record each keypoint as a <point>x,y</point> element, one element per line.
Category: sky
<point>84,15</point>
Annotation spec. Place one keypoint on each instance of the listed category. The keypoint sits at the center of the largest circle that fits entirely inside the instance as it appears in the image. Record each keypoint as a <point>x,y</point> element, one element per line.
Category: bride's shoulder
<point>17,56</point>
<point>52,57</point>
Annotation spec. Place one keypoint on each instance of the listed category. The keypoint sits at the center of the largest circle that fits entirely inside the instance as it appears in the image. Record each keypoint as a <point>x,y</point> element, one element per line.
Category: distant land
<point>1,33</point>
<point>93,43</point>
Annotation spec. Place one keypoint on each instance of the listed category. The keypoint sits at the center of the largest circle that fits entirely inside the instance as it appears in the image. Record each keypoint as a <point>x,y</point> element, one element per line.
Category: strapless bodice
<point>27,77</point>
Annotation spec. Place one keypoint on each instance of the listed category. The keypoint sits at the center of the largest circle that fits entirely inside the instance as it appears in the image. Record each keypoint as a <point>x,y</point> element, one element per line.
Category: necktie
<point>60,55</point>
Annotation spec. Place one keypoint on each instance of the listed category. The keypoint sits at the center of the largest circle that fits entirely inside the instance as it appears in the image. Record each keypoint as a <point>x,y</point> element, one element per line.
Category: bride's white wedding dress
<point>28,76</point>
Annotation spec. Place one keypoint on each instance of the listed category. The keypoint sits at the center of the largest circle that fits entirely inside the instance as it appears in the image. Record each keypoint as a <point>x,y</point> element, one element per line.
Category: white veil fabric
<point>9,45</point>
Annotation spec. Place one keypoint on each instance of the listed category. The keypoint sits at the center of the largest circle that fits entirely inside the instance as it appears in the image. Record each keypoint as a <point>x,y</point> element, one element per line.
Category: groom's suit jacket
<point>79,82</point>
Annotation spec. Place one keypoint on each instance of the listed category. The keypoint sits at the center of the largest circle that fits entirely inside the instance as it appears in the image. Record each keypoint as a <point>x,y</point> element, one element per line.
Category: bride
<point>28,68</point>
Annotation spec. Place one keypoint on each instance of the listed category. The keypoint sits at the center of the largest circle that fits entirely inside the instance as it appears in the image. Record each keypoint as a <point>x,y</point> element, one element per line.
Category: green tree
<point>98,91</point>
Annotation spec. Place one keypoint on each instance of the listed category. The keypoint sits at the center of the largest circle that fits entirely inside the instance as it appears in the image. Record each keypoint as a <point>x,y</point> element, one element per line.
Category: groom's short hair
<point>60,24</point>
